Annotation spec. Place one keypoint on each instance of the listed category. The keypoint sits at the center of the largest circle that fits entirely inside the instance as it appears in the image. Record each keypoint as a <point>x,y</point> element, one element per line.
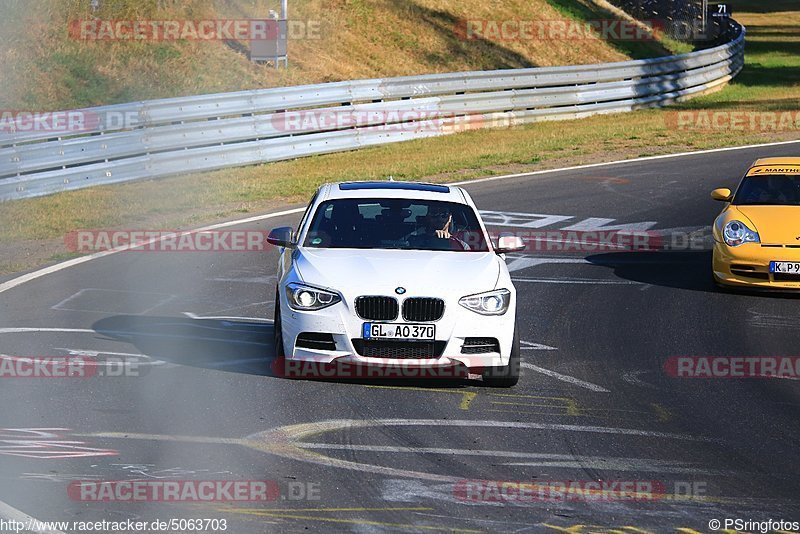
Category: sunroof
<point>409,186</point>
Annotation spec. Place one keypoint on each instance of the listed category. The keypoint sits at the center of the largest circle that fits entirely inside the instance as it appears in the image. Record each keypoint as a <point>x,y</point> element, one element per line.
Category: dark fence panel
<point>685,20</point>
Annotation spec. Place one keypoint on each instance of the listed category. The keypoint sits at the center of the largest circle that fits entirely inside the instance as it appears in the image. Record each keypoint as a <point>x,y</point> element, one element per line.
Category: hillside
<point>44,68</point>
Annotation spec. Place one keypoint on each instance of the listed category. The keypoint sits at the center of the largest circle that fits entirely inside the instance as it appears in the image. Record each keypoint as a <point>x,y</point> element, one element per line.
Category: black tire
<point>278,333</point>
<point>508,375</point>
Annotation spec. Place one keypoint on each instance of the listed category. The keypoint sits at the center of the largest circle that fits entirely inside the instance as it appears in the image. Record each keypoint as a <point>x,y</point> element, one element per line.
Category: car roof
<point>392,189</point>
<point>766,166</point>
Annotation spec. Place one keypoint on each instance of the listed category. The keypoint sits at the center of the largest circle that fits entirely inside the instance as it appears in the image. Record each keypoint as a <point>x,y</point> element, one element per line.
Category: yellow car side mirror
<point>724,194</point>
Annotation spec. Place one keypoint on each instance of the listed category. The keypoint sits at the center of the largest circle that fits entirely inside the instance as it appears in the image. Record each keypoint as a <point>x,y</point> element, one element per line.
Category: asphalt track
<point>594,402</point>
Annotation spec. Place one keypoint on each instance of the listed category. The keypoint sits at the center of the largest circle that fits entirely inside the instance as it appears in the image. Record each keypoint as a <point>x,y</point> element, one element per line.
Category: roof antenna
<point>391,178</point>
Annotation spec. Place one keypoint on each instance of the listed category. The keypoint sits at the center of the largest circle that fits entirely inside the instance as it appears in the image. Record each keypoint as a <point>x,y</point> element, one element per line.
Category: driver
<point>436,232</point>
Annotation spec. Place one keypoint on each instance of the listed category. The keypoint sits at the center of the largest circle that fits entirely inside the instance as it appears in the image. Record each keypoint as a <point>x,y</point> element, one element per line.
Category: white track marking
<point>248,280</point>
<point>521,220</point>
<point>228,363</point>
<point>530,345</point>
<point>95,353</point>
<point>8,512</point>
<point>225,326</point>
<point>228,319</point>
<point>565,378</point>
<point>21,330</point>
<point>15,282</point>
<point>544,459</point>
<point>126,333</point>
<point>599,224</point>
<point>578,281</point>
<point>759,319</point>
<point>260,304</point>
<point>162,299</point>
<point>625,161</point>
<point>129,334</point>
<point>87,352</point>
<point>575,243</point>
<point>287,441</point>
<point>632,377</point>
<point>310,429</point>
<point>477,520</point>
<point>603,464</point>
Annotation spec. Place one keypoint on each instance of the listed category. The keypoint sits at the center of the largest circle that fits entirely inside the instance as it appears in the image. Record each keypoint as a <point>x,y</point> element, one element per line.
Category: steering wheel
<point>456,241</point>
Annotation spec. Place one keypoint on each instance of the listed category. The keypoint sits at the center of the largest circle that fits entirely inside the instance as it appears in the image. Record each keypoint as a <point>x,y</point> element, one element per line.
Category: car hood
<point>774,224</point>
<point>380,272</point>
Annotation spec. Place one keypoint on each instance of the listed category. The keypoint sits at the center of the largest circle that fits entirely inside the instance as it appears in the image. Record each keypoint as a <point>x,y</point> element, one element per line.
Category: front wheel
<point>505,376</point>
<point>278,334</point>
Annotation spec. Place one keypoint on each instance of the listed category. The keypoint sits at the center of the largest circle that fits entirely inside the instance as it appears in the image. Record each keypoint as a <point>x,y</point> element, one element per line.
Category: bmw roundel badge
<point>400,290</point>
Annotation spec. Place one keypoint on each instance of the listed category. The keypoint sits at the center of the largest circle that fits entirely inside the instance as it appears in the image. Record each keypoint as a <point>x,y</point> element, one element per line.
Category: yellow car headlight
<point>737,233</point>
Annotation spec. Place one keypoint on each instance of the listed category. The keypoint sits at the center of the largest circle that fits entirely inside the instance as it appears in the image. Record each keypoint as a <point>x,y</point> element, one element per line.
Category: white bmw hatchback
<point>396,273</point>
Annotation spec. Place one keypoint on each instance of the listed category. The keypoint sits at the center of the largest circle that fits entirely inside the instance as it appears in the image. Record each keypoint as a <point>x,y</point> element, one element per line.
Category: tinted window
<point>775,189</point>
<point>395,224</point>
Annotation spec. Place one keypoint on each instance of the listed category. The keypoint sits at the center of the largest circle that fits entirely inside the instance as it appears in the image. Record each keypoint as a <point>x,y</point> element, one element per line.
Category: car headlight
<point>490,303</point>
<point>306,298</point>
<point>736,233</point>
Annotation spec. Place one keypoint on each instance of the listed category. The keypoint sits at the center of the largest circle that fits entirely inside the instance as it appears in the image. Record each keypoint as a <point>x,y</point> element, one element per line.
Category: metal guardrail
<point>157,138</point>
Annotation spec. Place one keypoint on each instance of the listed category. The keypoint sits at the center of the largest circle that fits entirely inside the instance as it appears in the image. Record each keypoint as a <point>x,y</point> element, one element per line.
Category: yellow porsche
<point>757,235</point>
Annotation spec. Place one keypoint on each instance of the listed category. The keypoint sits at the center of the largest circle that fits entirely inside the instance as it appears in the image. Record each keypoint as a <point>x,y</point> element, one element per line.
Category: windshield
<point>775,190</point>
<point>390,223</point>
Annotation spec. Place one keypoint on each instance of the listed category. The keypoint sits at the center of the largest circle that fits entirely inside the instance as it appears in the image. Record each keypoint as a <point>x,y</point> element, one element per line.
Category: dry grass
<point>45,69</point>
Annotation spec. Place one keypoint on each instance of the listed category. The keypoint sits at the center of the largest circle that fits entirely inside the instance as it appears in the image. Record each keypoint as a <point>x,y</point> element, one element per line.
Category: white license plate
<point>425,332</point>
<point>787,267</point>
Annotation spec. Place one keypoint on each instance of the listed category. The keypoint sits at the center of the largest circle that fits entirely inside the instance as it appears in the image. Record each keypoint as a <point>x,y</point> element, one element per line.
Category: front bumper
<point>748,265</point>
<point>341,321</point>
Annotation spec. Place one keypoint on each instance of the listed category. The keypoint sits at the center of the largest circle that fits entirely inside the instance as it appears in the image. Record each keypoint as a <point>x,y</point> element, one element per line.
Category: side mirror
<point>281,237</point>
<point>722,194</point>
<point>509,243</point>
